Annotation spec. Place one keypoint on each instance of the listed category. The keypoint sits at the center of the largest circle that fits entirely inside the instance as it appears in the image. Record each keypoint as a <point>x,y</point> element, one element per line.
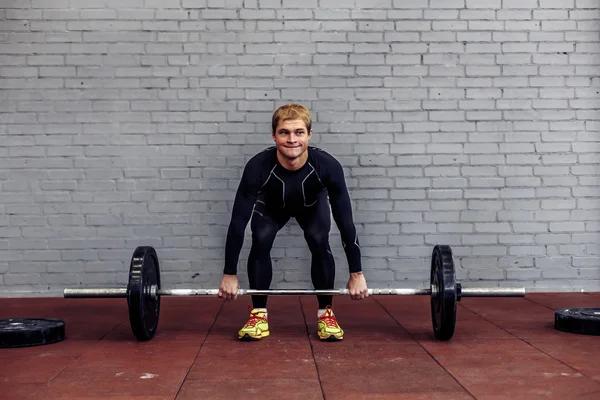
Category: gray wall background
<point>472,123</point>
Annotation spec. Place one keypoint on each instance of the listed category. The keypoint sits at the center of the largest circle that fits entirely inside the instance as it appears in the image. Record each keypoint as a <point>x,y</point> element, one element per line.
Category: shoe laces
<point>255,319</point>
<point>329,318</point>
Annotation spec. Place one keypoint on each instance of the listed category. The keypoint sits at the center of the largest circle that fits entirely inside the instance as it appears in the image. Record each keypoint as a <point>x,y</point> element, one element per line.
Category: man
<point>288,180</point>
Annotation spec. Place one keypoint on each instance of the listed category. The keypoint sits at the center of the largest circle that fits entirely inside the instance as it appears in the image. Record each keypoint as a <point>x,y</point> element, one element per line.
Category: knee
<point>263,239</point>
<point>317,240</point>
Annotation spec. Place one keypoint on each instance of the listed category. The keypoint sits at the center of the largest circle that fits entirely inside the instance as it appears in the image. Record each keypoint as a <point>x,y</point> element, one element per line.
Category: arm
<point>341,208</point>
<point>242,211</point>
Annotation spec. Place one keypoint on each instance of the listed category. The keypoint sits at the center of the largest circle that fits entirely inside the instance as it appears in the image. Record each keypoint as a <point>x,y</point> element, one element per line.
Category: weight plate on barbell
<point>443,292</point>
<point>144,309</point>
<point>585,321</point>
<point>24,332</point>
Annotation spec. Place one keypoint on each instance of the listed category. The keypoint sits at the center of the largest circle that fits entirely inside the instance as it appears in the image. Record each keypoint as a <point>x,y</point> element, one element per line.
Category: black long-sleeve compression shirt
<point>265,180</point>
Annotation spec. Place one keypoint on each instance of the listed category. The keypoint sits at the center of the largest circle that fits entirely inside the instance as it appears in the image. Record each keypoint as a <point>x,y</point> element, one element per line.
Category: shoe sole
<point>331,338</point>
<point>248,338</point>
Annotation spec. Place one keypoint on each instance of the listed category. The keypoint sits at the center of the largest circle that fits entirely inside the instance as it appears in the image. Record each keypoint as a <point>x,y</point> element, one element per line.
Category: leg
<point>315,221</point>
<point>264,226</point>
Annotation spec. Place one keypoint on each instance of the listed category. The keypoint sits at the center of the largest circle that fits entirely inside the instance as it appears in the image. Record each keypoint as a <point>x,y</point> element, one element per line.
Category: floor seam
<point>198,352</point>
<point>540,304</point>
<point>312,351</point>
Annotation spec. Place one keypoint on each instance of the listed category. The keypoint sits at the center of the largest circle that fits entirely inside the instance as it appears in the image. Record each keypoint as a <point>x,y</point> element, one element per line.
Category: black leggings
<point>315,221</point>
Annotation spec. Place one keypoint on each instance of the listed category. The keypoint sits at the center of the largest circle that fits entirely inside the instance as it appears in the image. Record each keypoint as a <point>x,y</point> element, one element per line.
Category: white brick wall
<point>468,122</point>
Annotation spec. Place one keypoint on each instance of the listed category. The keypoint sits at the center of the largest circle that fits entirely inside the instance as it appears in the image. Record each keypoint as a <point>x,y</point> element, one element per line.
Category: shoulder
<point>328,168</point>
<point>323,158</point>
<point>263,158</point>
<point>259,166</point>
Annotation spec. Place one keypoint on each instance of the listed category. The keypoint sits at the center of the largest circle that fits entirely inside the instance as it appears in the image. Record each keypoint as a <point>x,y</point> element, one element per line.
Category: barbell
<point>143,292</point>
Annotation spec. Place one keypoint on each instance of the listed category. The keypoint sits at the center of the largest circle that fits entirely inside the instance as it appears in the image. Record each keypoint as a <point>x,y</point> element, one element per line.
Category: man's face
<point>291,138</point>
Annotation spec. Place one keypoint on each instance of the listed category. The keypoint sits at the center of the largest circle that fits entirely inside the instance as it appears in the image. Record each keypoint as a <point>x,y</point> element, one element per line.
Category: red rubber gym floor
<point>503,348</point>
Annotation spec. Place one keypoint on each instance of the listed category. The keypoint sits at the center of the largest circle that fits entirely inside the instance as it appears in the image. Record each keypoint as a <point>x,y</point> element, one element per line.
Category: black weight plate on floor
<point>24,332</point>
<point>144,310</point>
<point>585,321</point>
<point>443,292</point>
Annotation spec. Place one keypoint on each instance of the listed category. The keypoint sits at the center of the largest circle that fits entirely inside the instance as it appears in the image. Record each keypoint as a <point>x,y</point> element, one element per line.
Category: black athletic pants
<point>315,221</point>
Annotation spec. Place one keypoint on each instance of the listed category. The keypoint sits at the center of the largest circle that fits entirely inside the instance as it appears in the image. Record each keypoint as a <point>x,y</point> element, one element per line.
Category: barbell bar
<point>122,292</point>
<point>144,291</point>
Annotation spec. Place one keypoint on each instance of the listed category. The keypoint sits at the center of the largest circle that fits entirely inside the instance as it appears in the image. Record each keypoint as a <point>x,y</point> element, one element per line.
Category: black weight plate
<point>585,321</point>
<point>144,310</point>
<point>23,332</point>
<point>443,292</point>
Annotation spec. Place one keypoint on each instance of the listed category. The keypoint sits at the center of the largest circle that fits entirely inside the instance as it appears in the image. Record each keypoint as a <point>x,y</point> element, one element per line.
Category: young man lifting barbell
<point>289,180</point>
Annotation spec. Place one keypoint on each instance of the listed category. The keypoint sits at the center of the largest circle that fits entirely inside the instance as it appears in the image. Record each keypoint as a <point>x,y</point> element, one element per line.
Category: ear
<point>273,135</point>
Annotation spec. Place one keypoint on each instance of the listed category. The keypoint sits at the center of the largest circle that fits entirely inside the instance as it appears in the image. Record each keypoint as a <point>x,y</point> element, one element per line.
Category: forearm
<point>353,254</point>
<point>354,258</point>
<point>343,218</point>
<point>240,216</point>
<point>233,245</point>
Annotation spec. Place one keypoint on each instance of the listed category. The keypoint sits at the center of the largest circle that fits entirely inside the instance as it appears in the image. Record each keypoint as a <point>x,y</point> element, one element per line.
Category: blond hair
<point>291,111</point>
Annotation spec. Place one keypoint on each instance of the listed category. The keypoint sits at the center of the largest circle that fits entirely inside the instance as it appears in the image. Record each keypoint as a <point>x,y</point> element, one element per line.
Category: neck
<point>292,164</point>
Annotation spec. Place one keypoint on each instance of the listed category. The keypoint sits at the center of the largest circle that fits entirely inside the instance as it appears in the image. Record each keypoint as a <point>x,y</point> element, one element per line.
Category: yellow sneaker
<point>328,327</point>
<point>256,328</point>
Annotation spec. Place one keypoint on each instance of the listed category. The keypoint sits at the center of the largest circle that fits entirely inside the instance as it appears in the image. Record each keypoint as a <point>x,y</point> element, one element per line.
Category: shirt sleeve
<point>243,207</point>
<point>341,209</point>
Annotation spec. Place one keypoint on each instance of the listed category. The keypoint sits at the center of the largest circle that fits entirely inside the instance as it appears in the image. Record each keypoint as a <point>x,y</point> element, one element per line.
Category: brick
<point>484,4</point>
<point>486,274</point>
<point>557,3</point>
<point>507,4</point>
<point>447,4</point>
<point>523,274</point>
